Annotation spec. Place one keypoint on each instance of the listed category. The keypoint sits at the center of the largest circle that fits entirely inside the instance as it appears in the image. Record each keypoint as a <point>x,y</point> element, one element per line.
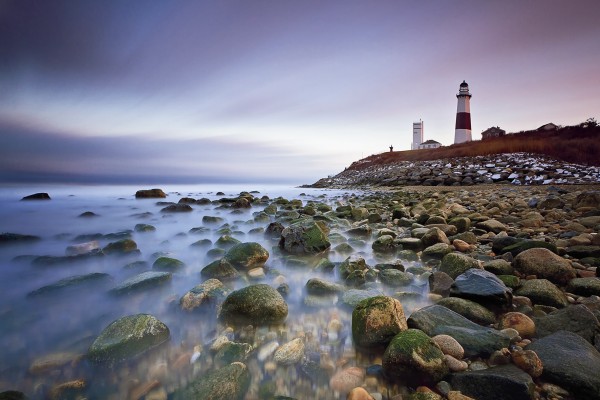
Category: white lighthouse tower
<point>462,132</point>
<point>417,135</point>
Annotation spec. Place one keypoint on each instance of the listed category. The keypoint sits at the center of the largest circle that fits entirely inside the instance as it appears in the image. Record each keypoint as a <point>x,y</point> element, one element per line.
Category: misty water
<point>67,321</point>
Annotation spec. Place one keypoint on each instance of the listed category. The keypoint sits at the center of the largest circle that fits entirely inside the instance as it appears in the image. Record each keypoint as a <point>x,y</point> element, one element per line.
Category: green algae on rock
<point>247,255</point>
<point>256,304</point>
<point>305,238</point>
<point>376,320</point>
<point>128,337</point>
<point>228,383</point>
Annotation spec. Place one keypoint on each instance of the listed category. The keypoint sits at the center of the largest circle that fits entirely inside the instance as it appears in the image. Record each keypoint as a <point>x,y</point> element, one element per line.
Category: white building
<point>430,144</point>
<point>417,135</point>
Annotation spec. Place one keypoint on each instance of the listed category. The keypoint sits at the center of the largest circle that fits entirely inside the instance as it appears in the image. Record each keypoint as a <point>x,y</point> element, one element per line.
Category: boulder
<point>128,337</point>
<point>414,358</point>
<point>246,256</point>
<point>376,320</point>
<point>584,286</point>
<point>305,238</point>
<point>71,282</point>
<point>144,280</point>
<point>228,383</point>
<point>577,319</point>
<point>544,264</point>
<point>496,383</point>
<point>256,304</point>
<point>570,362</point>
<point>542,291</point>
<point>168,264</point>
<point>150,193</point>
<point>395,278</point>
<point>220,269</point>
<point>37,196</point>
<point>521,246</point>
<point>475,339</point>
<point>433,236</point>
<point>318,286</point>
<point>455,264</point>
<point>208,292</point>
<point>123,246</point>
<point>482,287</point>
<point>469,309</point>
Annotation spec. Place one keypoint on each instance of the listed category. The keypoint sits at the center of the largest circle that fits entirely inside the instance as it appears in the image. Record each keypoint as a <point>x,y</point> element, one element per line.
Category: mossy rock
<point>384,244</point>
<point>455,264</point>
<point>318,286</point>
<point>232,352</point>
<point>142,281</point>
<point>123,246</point>
<point>510,281</point>
<point>220,269</point>
<point>305,238</point>
<point>150,194</point>
<point>71,282</point>
<point>376,320</point>
<point>208,292</point>
<point>247,255</point>
<point>351,265</point>
<point>395,278</point>
<point>414,358</point>
<point>256,304</point>
<point>436,251</point>
<point>520,247</point>
<point>469,309</point>
<point>226,242</point>
<point>144,228</point>
<point>128,337</point>
<point>168,264</point>
<point>228,383</point>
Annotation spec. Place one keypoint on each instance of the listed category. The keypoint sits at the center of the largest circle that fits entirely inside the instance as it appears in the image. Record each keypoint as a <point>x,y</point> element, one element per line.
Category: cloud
<point>29,154</point>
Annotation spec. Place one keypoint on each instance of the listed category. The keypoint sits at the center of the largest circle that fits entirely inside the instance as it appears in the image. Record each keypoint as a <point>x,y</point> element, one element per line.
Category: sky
<point>279,91</point>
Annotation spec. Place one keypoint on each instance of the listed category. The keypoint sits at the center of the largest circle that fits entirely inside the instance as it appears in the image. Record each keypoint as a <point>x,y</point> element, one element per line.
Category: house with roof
<point>430,144</point>
<point>492,132</point>
<point>548,127</point>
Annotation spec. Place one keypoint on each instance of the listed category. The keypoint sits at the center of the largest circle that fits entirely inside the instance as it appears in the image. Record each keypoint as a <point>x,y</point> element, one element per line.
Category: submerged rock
<point>123,246</point>
<point>128,337</point>
<point>144,280</point>
<point>220,269</point>
<point>150,193</point>
<point>376,320</point>
<point>208,292</point>
<point>7,237</point>
<point>246,255</point>
<point>37,196</point>
<point>305,238</point>
<point>71,282</point>
<point>228,383</point>
<point>496,383</point>
<point>257,304</point>
<point>168,264</point>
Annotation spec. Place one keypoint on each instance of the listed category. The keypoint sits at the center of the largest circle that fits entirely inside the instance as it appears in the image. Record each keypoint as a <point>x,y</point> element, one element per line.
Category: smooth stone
<point>518,321</point>
<point>577,319</point>
<point>227,383</point>
<point>483,287</point>
<point>7,237</point>
<point>352,297</point>
<point>544,264</point>
<point>37,196</point>
<point>53,361</point>
<point>150,193</point>
<point>305,238</point>
<point>542,291</point>
<point>256,304</point>
<point>454,364</point>
<point>496,383</point>
<point>123,246</point>
<point>167,264</point>
<point>142,281</point>
<point>449,346</point>
<point>395,278</point>
<point>440,283</point>
<point>128,337</point>
<point>570,362</point>
<point>82,248</point>
<point>208,292</point>
<point>246,255</point>
<point>318,286</point>
<point>347,379</point>
<point>521,246</point>
<point>528,361</point>
<point>455,264</point>
<point>359,393</point>
<point>491,225</point>
<point>220,269</point>
<point>469,309</point>
<point>584,286</point>
<point>290,353</point>
<point>433,236</point>
<point>376,320</point>
<point>71,282</point>
<point>498,267</point>
<point>436,251</point>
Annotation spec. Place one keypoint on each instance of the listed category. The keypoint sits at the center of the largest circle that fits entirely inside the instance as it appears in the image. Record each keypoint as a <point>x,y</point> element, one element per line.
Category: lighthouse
<point>462,132</point>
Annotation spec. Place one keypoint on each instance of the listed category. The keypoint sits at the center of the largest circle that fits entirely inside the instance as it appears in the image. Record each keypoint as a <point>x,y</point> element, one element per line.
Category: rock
<point>577,319</point>
<point>440,282</point>
<point>528,361</point>
<point>347,379</point>
<point>521,246</point>
<point>384,244</point>
<point>542,291</point>
<point>491,225</point>
<point>376,320</point>
<point>228,383</point>
<point>177,208</point>
<point>462,224</point>
<point>587,199</point>
<point>123,246</point>
<point>496,383</point>
<point>231,352</point>
<point>54,361</point>
<point>144,280</point>
<point>570,362</point>
<point>12,395</point>
<point>590,222</point>
<point>455,264</point>
<point>433,236</point>
<point>150,193</point>
<point>475,339</point>
<point>544,264</point>
<point>71,282</point>
<point>290,352</point>
<point>518,321</point>
<point>318,286</point>
<point>352,297</point>
<point>128,337</point>
<point>359,393</point>
<point>350,265</point>
<point>455,365</point>
<point>305,238</point>
<point>82,248</point>
<point>584,286</point>
<point>499,243</point>
<point>395,278</point>
<point>482,287</point>
<point>168,264</point>
<point>414,358</point>
<point>246,256</point>
<point>6,238</point>
<point>498,267</point>
<point>220,269</point>
<point>461,245</point>
<point>469,309</point>
<point>208,292</point>
<point>449,346</point>
<point>436,251</point>
<point>256,304</point>
<point>414,244</point>
<point>584,251</point>
<point>37,196</point>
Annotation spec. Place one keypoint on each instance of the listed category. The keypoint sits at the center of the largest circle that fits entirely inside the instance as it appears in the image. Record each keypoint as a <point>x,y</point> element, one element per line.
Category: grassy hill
<point>578,144</point>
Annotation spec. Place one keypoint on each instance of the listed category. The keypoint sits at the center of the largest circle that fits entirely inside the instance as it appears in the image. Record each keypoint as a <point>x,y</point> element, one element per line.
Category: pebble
<point>449,346</point>
<point>454,364</point>
<point>528,361</point>
<point>519,322</point>
<point>347,379</point>
<point>290,352</point>
<point>359,393</point>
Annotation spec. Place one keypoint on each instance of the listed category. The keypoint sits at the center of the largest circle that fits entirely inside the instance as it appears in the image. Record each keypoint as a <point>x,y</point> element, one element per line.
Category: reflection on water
<point>61,324</point>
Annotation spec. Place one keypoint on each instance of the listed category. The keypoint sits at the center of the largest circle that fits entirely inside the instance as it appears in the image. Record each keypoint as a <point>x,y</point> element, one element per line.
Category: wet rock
<point>482,287</point>
<point>449,346</point>
<point>71,282</point>
<point>289,353</point>
<point>352,297</point>
<point>220,269</point>
<point>542,291</point>
<point>455,264</point>
<point>376,320</point>
<point>37,196</point>
<point>52,362</point>
<point>150,193</point>
<point>177,208</point>
<point>518,321</point>
<point>584,286</point>
<point>256,304</point>
<point>544,264</point>
<point>496,383</point>
<point>491,225</point>
<point>584,251</point>
<point>395,278</point>
<point>208,292</point>
<point>414,244</point>
<point>6,238</point>
<point>228,383</point>
<point>498,267</point>
<point>414,358</point>
<point>469,309</point>
<point>521,246</point>
<point>318,286</point>
<point>144,228</point>
<point>305,238</point>
<point>12,395</point>
<point>231,352</point>
<point>123,246</point>
<point>384,244</point>
<point>570,362</point>
<point>226,242</point>
<point>440,282</point>
<point>528,361</point>
<point>433,236</point>
<point>436,251</point>
<point>475,339</point>
<point>577,319</point>
<point>350,265</point>
<point>347,379</point>
<point>168,264</point>
<point>141,281</point>
<point>128,337</point>
<point>246,256</point>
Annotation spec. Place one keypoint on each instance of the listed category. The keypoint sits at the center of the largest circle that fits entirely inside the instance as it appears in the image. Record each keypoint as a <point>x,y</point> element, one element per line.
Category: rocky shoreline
<point>513,168</point>
<point>508,276</point>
